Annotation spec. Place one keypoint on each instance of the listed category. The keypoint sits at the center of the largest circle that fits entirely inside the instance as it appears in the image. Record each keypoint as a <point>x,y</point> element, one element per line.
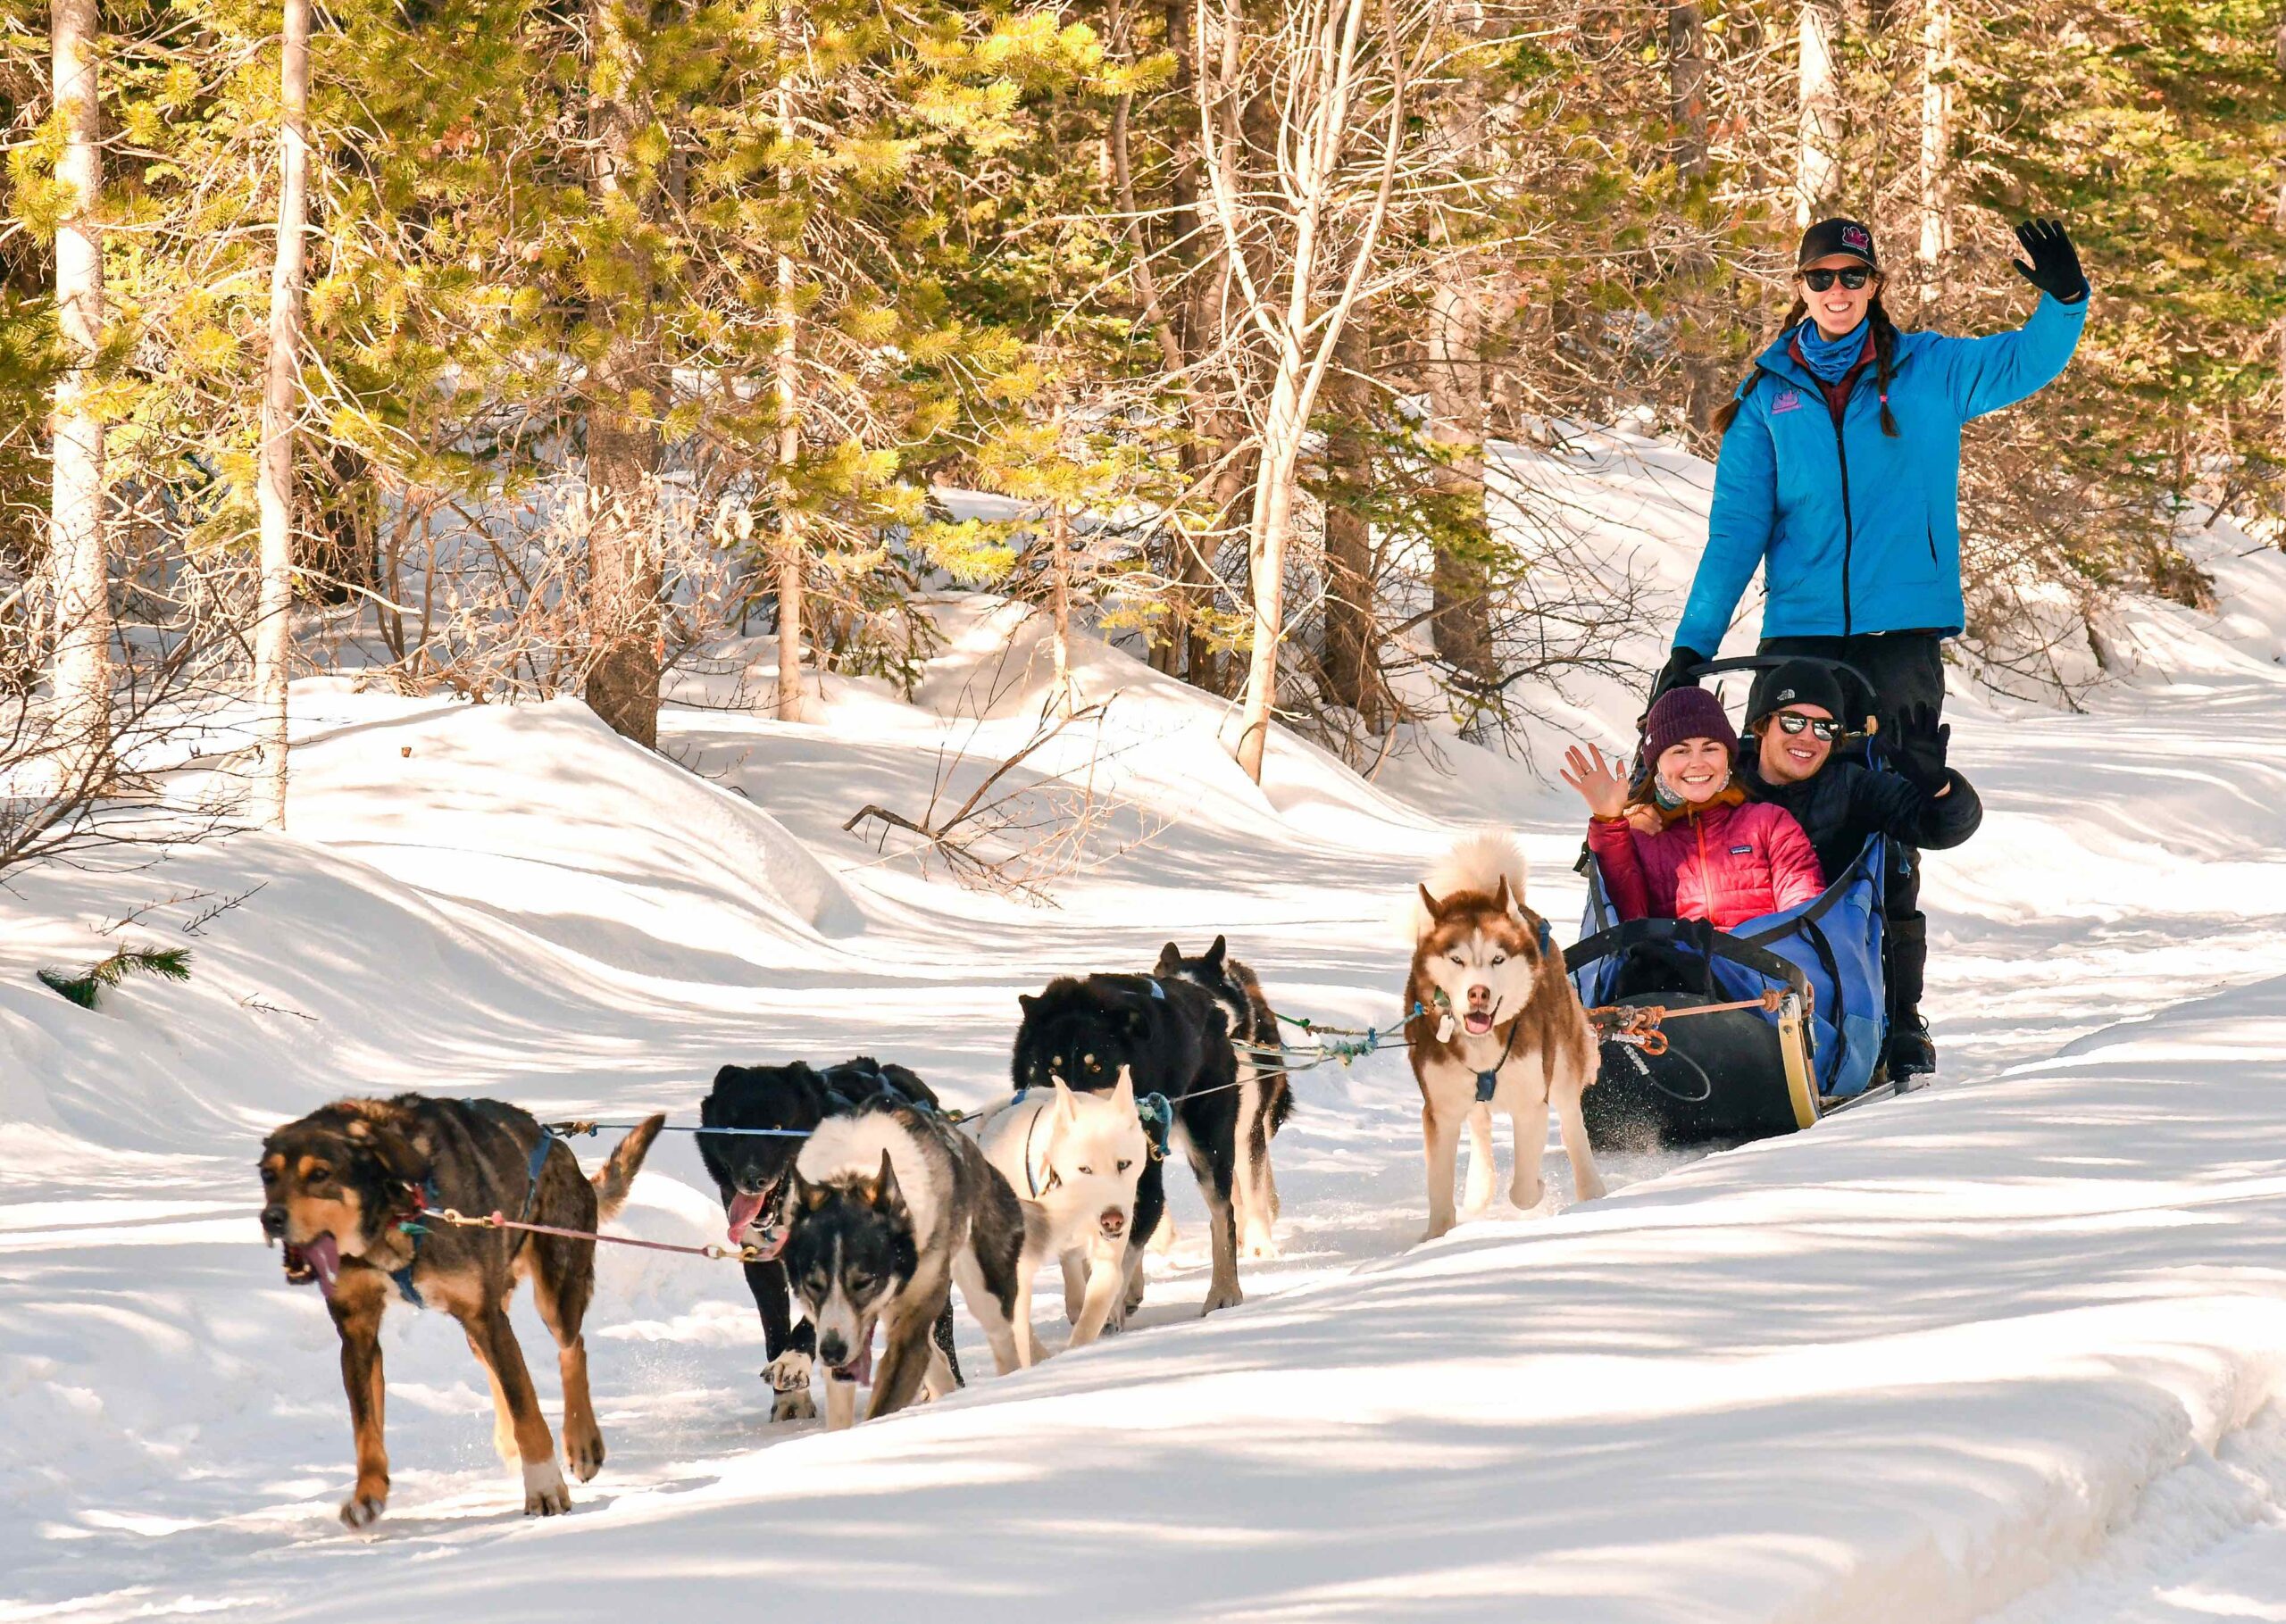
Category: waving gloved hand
<point>1676,672</point>
<point>2055,269</point>
<point>1920,746</point>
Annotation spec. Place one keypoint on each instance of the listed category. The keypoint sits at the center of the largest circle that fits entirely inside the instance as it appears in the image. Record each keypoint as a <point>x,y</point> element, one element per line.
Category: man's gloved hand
<point>1676,672</point>
<point>2055,269</point>
<point>1920,746</point>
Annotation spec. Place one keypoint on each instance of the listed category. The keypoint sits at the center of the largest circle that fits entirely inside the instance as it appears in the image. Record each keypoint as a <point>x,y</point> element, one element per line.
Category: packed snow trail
<point>2013,1343</point>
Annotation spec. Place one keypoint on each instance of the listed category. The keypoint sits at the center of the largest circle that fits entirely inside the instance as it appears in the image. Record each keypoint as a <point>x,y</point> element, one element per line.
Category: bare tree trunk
<point>1936,246</point>
<point>791,577</point>
<point>273,632</point>
<point>1266,541</point>
<point>1817,167</point>
<point>1461,622</point>
<point>76,549</point>
<point>1687,86</point>
<point>624,575</point>
<point>1059,588</point>
<point>1351,667</point>
<point>1317,282</point>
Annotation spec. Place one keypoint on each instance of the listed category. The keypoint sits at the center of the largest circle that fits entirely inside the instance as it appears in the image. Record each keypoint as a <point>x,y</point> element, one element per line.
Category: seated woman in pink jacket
<point>1687,844</point>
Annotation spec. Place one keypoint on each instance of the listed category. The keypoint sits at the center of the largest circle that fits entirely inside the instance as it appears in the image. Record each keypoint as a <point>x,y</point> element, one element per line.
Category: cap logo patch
<point>1788,400</point>
<point>1858,237</point>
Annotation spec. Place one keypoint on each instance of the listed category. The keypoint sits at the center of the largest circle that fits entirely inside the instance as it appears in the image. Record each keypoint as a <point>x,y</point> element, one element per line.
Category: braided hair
<point>1884,363</point>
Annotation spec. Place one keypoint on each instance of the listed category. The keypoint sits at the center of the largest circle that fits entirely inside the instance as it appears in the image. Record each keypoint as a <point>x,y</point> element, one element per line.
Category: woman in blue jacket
<point>1840,478</point>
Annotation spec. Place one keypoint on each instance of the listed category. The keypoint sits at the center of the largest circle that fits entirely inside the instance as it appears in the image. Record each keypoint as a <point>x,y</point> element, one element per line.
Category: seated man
<point>1794,714</point>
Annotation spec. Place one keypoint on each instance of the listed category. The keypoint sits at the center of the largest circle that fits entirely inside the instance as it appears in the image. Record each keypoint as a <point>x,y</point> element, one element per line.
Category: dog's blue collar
<point>417,1231</point>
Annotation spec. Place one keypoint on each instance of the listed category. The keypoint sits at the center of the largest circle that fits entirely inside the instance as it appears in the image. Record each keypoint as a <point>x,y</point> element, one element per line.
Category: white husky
<point>1075,1157</point>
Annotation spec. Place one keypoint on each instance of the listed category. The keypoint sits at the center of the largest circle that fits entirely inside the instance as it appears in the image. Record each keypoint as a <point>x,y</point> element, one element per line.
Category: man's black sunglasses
<point>1853,278</point>
<point>1821,727</point>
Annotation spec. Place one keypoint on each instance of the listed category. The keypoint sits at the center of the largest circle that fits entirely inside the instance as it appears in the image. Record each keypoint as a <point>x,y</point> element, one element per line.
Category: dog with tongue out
<point>1493,1025</point>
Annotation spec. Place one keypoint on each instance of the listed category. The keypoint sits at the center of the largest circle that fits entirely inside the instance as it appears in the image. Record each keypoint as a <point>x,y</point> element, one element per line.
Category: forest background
<point>511,348</point>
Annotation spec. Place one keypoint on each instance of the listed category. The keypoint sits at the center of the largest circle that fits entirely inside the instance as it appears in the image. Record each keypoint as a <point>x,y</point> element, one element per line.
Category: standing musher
<point>1840,477</point>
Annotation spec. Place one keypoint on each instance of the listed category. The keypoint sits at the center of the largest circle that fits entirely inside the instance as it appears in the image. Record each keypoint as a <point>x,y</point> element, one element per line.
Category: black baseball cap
<point>1796,682</point>
<point>1837,235</point>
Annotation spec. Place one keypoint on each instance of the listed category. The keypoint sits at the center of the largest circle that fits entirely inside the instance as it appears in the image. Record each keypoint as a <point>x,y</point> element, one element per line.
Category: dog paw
<point>790,1371</point>
<point>362,1511</point>
<point>1227,1296</point>
<point>1592,1190</point>
<point>1437,1230</point>
<point>793,1407</point>
<point>584,1455</point>
<point>546,1494</point>
<point>1261,1244</point>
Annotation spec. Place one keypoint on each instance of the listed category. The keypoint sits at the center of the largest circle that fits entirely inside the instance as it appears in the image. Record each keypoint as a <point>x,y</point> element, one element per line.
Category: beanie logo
<point>1788,400</point>
<point>1857,238</point>
<point>1785,697</point>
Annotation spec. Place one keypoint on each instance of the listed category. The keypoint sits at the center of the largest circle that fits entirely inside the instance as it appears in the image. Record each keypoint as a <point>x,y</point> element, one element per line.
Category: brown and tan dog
<point>1500,1028</point>
<point>340,1188</point>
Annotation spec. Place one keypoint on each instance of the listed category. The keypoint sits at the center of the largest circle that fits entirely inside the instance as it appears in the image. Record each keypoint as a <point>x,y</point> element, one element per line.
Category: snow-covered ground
<point>2014,1348</point>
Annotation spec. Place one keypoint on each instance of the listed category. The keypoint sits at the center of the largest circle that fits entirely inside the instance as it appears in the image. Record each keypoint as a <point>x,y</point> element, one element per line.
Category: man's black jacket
<point>1847,802</point>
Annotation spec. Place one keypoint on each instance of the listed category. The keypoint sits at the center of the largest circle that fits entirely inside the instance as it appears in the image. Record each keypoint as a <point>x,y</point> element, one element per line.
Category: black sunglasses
<point>1853,278</point>
<point>1821,727</point>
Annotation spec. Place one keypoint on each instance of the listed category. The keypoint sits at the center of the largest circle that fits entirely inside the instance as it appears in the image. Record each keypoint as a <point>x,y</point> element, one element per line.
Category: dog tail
<point>1477,862</point>
<point>626,1160</point>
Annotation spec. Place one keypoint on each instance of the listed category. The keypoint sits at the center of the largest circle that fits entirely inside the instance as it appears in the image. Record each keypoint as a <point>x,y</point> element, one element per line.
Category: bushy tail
<point>626,1160</point>
<point>1477,862</point>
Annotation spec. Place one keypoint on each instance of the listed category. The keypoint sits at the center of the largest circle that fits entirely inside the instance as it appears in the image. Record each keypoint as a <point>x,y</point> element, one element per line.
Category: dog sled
<point>1808,1041</point>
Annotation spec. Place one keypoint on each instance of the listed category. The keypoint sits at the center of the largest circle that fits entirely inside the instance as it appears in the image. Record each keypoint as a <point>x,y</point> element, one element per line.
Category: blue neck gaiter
<point>1829,359</point>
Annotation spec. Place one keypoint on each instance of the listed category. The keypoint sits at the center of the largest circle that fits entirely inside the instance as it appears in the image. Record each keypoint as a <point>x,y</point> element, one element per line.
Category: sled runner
<point>1740,1074</point>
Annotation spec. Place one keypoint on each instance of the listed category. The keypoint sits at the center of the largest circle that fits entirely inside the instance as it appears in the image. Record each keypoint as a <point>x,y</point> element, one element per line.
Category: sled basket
<point>1738,1074</point>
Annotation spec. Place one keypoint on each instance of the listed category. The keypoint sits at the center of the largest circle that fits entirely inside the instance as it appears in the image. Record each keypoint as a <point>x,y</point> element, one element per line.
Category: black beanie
<point>1796,682</point>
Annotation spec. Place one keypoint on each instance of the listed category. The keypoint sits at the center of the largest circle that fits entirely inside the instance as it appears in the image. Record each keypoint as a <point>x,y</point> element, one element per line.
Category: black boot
<point>1910,1053</point>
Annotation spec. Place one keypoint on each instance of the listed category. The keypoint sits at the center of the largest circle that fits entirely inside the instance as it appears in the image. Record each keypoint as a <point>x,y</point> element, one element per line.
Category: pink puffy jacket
<point>1731,862</point>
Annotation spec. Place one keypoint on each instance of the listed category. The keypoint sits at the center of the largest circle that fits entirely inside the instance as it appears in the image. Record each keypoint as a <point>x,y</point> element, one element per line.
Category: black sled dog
<point>1172,1039</point>
<point>1265,1099</point>
<point>750,1169</point>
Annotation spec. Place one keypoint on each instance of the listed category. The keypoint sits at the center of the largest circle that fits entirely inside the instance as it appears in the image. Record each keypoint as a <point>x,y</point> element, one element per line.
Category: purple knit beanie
<point>1682,714</point>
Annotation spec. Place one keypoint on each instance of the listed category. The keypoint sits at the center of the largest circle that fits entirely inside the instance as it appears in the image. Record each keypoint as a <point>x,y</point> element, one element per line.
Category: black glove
<point>1919,748</point>
<point>2055,269</point>
<point>1676,672</point>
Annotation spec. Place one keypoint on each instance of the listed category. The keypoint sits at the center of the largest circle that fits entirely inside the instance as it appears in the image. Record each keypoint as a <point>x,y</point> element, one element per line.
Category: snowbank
<point>2015,1343</point>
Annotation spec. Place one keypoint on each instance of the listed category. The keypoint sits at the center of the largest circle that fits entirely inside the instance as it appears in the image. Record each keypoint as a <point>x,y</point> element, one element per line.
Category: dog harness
<point>428,1195</point>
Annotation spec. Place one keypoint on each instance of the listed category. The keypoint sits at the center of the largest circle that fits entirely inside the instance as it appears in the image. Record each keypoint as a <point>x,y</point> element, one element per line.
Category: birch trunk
<point>1816,165</point>
<point>1267,540</point>
<point>76,548</point>
<point>273,638</point>
<point>1936,246</point>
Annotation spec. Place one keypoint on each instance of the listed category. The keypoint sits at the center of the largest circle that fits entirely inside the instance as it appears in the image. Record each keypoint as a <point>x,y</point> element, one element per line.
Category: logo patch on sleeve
<point>1788,400</point>
<point>1742,851</point>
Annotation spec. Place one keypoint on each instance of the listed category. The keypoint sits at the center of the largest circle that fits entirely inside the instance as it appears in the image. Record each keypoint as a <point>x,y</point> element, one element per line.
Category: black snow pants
<point>1906,669</point>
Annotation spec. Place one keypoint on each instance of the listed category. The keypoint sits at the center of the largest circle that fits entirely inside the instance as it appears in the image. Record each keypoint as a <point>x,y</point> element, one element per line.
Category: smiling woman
<point>1685,842</point>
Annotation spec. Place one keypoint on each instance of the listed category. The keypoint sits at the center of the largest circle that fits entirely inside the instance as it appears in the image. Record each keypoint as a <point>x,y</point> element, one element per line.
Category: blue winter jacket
<point>1855,531</point>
